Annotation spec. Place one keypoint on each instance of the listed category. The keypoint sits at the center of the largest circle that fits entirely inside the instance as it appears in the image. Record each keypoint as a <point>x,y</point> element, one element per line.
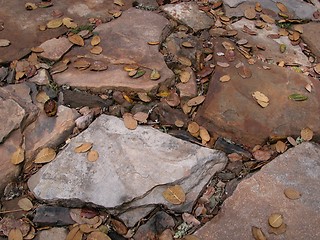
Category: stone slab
<point>311,35</point>
<point>123,43</point>
<point>257,197</point>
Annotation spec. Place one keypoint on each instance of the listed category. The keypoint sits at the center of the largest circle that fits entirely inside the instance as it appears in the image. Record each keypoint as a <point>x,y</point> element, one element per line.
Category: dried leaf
<point>298,97</point>
<point>139,73</point>
<point>95,40</point>
<point>283,48</point>
<point>55,23</point>
<point>261,155</point>
<point>73,233</point>
<point>119,2</point>
<point>204,134</point>
<point>282,7</point>
<point>132,73</point>
<point>4,42</point>
<point>191,237</point>
<point>25,204</point>
<point>119,227</point>
<point>267,18</point>
<point>129,121</point>
<point>179,123</point>
<point>45,155</point>
<point>175,195</point>
<point>258,234</point>
<point>225,78</point>
<point>187,44</point>
<point>96,50</point>
<point>87,228</point>
<point>76,39</point>
<point>292,141</point>
<point>30,6</point>
<point>81,64</point>
<point>185,61</point>
<point>173,99</point>
<point>144,97</point>
<point>193,128</point>
<point>281,147</point>
<point>306,134</point>
<point>196,101</point>
<point>92,156</point>
<point>68,22</point>
<point>223,64</point>
<point>184,76</point>
<point>275,220</point>
<point>261,99</point>
<point>141,117</point>
<point>154,43</point>
<point>98,66</point>
<point>250,13</point>
<point>155,75</point>
<point>308,87</point>
<point>18,156</point>
<point>190,219</point>
<point>31,234</point>
<point>316,68</point>
<point>233,157</point>
<point>42,97</point>
<point>98,236</point>
<point>83,147</point>
<point>15,234</point>
<point>292,193</point>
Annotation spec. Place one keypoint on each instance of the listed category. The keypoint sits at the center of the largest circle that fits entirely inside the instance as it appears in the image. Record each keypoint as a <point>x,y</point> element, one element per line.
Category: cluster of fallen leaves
<point>92,155</point>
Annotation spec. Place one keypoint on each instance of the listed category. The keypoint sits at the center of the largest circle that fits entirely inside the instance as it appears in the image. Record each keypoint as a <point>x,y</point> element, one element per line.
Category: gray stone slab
<point>257,197</point>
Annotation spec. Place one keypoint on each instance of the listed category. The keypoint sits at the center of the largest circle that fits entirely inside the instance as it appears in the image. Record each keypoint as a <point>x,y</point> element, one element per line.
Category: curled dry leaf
<point>98,236</point>
<point>96,50</point>
<point>119,2</point>
<point>25,204</point>
<point>18,156</point>
<point>30,6</point>
<point>155,75</point>
<point>187,44</point>
<point>15,234</point>
<point>184,76</point>
<point>76,39</point>
<point>175,195</point>
<point>92,156</point>
<point>281,147</point>
<point>225,78</point>
<point>4,42</point>
<point>132,73</point>
<point>55,23</point>
<point>261,99</point>
<point>292,141</point>
<point>154,43</point>
<point>292,193</point>
<point>196,101</point>
<point>83,147</point>
<point>306,134</point>
<point>119,227</point>
<point>258,234</point>
<point>74,234</point>
<point>204,134</point>
<point>31,234</point>
<point>95,40</point>
<point>45,155</point>
<point>308,87</point>
<point>141,117</point>
<point>275,220</point>
<point>129,121</point>
<point>87,228</point>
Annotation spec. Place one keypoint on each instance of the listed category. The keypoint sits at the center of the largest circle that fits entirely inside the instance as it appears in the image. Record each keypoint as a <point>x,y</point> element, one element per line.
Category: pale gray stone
<point>189,14</point>
<point>55,48</point>
<point>53,234</point>
<point>134,167</point>
<point>42,77</point>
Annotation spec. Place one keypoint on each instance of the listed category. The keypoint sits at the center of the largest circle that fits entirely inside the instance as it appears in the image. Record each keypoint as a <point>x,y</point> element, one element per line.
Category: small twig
<point>11,211</point>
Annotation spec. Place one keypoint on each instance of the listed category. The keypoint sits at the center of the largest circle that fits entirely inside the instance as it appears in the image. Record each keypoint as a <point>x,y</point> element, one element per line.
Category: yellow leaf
<point>155,75</point>
<point>306,134</point>
<point>184,76</point>
<point>119,2</point>
<point>45,155</point>
<point>18,156</point>
<point>154,43</point>
<point>292,193</point>
<point>96,50</point>
<point>55,23</point>
<point>87,228</point>
<point>193,127</point>
<point>98,236</point>
<point>15,234</point>
<point>225,78</point>
<point>175,195</point>
<point>258,234</point>
<point>204,134</point>
<point>84,147</point>
<point>129,121</point>
<point>25,204</point>
<point>281,147</point>
<point>68,22</point>
<point>95,40</point>
<point>261,99</point>
<point>275,220</point>
<point>185,61</point>
<point>74,234</point>
<point>42,97</point>
<point>76,39</point>
<point>92,156</point>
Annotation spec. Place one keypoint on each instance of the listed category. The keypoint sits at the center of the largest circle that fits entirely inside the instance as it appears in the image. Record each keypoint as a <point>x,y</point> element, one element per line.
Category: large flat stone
<point>123,43</point>
<point>134,168</point>
<point>311,34</point>
<point>230,110</point>
<point>256,198</point>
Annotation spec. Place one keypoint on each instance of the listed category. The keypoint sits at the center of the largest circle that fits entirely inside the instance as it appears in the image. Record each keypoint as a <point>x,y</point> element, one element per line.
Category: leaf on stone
<point>92,156</point>
<point>129,121</point>
<point>298,97</point>
<point>306,134</point>
<point>58,68</point>
<point>4,42</point>
<point>76,39</point>
<point>179,123</point>
<point>316,68</point>
<point>267,18</point>
<point>292,141</point>
<point>96,50</point>
<point>184,76</point>
<point>55,23</point>
<point>186,109</point>
<point>132,73</point>
<point>233,157</point>
<point>187,44</point>
<point>277,231</point>
<point>298,28</point>
<point>74,234</point>
<point>262,155</point>
<point>18,156</point>
<point>228,45</point>
<point>282,7</point>
<point>141,117</point>
<point>190,219</point>
<point>83,147</point>
<point>281,147</point>
<point>173,99</point>
<point>258,234</point>
<point>42,97</point>
<point>283,48</point>
<point>258,7</point>
<point>196,101</point>
<point>139,73</point>
<point>250,13</point>
<point>15,234</point>
<point>155,75</point>
<point>204,134</point>
<point>30,6</point>
<point>153,42</point>
<point>308,87</point>
<point>292,194</point>
<point>193,127</point>
<point>45,155</point>
<point>244,72</point>
<point>175,195</point>
<point>19,75</point>
<point>225,78</point>
<point>115,13</point>
<point>144,97</point>
<point>275,220</point>
<point>261,99</point>
<point>223,64</point>
<point>81,64</point>
<point>119,2</point>
<point>119,227</point>
<point>68,22</point>
<point>98,66</point>
<point>185,61</point>
<point>95,40</point>
<point>25,204</point>
<point>98,236</point>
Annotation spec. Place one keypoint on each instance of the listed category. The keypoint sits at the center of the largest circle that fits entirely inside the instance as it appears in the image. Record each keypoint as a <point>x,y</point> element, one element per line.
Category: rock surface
<point>52,234</point>
<point>55,48</point>
<point>311,33</point>
<point>232,112</point>
<point>123,43</point>
<point>189,14</point>
<point>136,167</point>
<point>257,197</point>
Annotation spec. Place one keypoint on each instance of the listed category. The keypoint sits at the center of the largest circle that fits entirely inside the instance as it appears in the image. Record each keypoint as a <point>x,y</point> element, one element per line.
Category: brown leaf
<point>95,40</point>
<point>98,66</point>
<point>15,234</point>
<point>55,23</point>
<point>306,134</point>
<point>81,64</point>
<point>76,39</point>
<point>87,228</point>
<point>119,227</point>
<point>25,204</point>
<point>92,156</point>
<point>292,193</point>
<point>281,147</point>
<point>129,121</point>
<point>74,234</point>
<point>250,13</point>
<point>119,2</point>
<point>204,134</point>
<point>196,101</point>
<point>141,117</point>
<point>179,123</point>
<point>233,157</point>
<point>261,155</point>
<point>275,220</point>
<point>96,50</point>
<point>187,44</point>
<point>292,141</point>
<point>225,78</point>
<point>98,236</point>
<point>282,7</point>
<point>190,219</point>
<point>18,156</point>
<point>185,61</point>
<point>173,99</point>
<point>45,155</point>
<point>31,234</point>
<point>258,234</point>
<point>154,43</point>
<point>155,75</point>
<point>175,195</point>
<point>191,237</point>
<point>144,97</point>
<point>316,68</point>
<point>83,147</point>
<point>193,127</point>
<point>308,87</point>
<point>267,18</point>
<point>223,64</point>
<point>42,97</point>
<point>184,76</point>
<point>50,107</point>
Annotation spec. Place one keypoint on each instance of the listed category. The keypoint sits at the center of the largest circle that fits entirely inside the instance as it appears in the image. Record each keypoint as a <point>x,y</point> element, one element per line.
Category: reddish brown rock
<point>261,195</point>
<point>123,43</point>
<point>230,110</point>
<point>311,34</point>
<point>55,48</point>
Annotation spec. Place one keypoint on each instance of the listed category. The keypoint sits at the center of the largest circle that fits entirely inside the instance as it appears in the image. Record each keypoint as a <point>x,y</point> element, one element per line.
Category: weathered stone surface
<point>189,14</point>
<point>188,89</point>
<point>49,131</point>
<point>256,198</point>
<point>41,78</point>
<point>52,216</point>
<point>134,167</point>
<point>311,34</point>
<point>232,112</point>
<point>52,234</point>
<point>11,116</point>
<point>123,43</point>
<point>55,48</point>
